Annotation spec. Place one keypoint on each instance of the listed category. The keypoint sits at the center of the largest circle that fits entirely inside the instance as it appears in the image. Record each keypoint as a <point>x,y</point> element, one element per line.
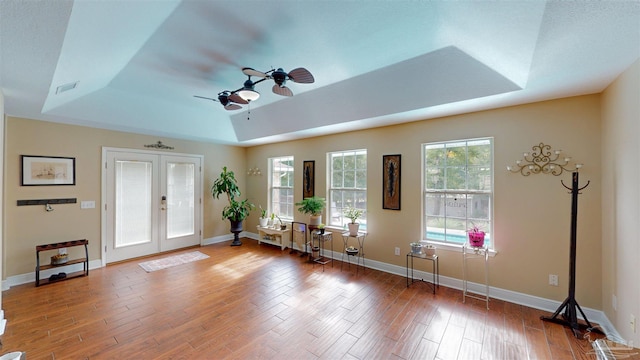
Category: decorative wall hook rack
<point>255,171</point>
<point>543,160</point>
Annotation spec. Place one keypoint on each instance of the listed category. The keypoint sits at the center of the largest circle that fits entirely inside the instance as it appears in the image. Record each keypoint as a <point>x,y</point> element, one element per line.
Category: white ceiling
<point>138,64</point>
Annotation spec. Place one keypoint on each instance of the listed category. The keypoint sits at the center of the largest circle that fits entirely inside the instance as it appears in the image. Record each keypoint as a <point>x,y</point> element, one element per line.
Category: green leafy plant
<point>263,212</point>
<point>227,184</point>
<point>311,205</point>
<point>353,214</point>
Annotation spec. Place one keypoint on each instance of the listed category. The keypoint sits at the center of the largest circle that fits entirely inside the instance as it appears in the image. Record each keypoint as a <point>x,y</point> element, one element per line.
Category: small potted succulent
<point>416,248</point>
<point>321,228</point>
<point>476,236</point>
<point>353,214</point>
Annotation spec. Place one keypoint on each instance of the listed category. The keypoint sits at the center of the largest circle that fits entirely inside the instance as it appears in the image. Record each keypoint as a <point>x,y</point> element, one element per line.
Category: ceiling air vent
<point>66,87</point>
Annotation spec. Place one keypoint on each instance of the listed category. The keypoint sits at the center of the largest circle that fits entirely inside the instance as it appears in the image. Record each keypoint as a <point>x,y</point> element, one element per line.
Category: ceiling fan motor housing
<point>279,77</point>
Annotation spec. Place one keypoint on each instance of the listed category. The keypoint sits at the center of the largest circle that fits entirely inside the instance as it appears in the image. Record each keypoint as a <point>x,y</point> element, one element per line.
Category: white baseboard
<point>595,316</point>
<point>31,277</point>
<point>3,322</point>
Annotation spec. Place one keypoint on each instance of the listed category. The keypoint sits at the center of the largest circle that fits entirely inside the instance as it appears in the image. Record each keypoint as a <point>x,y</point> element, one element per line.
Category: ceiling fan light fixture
<point>247,92</point>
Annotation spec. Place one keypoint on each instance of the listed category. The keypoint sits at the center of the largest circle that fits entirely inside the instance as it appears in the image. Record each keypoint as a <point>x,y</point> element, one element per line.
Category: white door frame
<point>103,230</point>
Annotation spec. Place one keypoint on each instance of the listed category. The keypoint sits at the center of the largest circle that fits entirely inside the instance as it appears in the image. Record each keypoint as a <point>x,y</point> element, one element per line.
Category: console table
<point>435,272</point>
<point>320,238</point>
<point>60,245</point>
<point>470,252</point>
<point>273,236</point>
<point>357,252</point>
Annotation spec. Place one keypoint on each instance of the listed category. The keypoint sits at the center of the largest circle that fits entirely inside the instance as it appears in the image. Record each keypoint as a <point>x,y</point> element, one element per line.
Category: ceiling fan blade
<point>237,99</point>
<point>284,91</point>
<point>301,75</point>
<point>252,72</point>
<point>231,106</point>
<point>207,98</point>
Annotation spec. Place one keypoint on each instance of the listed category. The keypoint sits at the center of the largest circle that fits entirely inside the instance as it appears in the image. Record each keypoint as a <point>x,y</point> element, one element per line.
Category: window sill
<point>454,247</point>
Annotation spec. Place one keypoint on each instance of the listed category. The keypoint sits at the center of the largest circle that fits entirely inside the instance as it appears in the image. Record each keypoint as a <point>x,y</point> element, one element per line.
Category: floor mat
<point>171,261</point>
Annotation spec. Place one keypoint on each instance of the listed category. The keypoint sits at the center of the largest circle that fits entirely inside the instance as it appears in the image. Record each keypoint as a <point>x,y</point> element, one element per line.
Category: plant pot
<point>430,250</point>
<point>476,239</point>
<point>353,229</point>
<point>236,228</point>
<point>315,220</point>
<point>416,248</point>
<point>264,222</point>
<point>321,231</point>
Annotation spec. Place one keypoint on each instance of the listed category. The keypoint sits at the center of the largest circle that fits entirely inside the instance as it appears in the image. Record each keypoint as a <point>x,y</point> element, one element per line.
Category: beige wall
<point>28,226</point>
<point>621,201</point>
<point>532,214</point>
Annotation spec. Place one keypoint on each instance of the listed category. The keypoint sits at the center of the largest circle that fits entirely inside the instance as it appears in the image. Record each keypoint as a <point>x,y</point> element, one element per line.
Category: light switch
<point>87,204</point>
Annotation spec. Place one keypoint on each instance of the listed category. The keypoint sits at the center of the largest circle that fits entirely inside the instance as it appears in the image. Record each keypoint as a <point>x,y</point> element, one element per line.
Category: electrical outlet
<point>553,280</point>
<point>397,251</point>
<point>632,323</point>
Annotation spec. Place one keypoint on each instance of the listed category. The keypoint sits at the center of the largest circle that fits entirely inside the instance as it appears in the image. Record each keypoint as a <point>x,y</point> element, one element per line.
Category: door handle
<point>163,203</point>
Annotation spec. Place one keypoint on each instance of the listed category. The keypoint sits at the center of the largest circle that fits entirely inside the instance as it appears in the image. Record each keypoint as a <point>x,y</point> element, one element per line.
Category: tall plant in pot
<point>353,214</point>
<point>313,207</point>
<point>237,210</point>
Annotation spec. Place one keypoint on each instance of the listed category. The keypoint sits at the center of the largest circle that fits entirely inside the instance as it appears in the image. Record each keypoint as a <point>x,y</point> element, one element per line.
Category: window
<point>281,187</point>
<point>458,189</point>
<point>348,186</point>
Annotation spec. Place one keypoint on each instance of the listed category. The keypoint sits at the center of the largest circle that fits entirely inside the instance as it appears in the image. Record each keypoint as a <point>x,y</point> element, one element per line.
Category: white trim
<point>103,185</point>
<point>31,277</point>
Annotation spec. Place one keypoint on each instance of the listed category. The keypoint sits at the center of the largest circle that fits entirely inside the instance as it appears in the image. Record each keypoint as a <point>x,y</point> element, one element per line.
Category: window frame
<point>335,218</point>
<point>444,192</point>
<point>271,188</point>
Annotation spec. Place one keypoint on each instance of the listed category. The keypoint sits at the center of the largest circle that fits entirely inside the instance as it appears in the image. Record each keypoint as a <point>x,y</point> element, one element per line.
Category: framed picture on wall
<point>391,182</point>
<point>308,178</point>
<point>47,170</point>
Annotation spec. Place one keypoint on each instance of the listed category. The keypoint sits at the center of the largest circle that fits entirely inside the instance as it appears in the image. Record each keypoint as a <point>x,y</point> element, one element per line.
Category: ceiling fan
<point>247,93</point>
<point>229,100</point>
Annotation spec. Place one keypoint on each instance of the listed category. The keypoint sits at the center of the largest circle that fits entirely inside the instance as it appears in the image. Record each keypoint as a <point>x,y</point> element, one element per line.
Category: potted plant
<point>313,207</point>
<point>237,210</point>
<point>263,217</point>
<point>353,214</point>
<point>321,228</point>
<point>476,237</point>
<point>283,226</point>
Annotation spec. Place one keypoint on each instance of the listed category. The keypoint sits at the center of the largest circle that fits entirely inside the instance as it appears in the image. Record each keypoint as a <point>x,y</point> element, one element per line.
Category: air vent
<point>66,87</point>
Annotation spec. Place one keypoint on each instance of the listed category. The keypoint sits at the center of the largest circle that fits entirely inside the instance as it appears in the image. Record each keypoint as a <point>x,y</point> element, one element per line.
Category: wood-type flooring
<point>258,302</point>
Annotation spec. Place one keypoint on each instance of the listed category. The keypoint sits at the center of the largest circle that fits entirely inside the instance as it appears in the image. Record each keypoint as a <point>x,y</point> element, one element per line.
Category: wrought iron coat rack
<point>570,305</point>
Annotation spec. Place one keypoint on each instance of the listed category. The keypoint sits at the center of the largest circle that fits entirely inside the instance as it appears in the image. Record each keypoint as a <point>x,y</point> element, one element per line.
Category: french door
<point>152,203</point>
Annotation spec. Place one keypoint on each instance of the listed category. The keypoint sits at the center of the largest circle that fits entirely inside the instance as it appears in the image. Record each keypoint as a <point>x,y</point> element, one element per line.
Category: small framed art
<point>308,178</point>
<point>391,182</point>
<point>48,170</point>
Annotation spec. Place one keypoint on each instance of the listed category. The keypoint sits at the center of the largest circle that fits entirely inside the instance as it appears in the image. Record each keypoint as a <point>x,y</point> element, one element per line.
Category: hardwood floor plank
<point>451,341</point>
<point>426,350</point>
<point>537,346</point>
<point>469,350</point>
<point>256,301</point>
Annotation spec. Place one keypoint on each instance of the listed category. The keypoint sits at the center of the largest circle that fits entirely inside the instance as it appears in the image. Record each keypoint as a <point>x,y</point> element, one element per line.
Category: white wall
<point>621,202</point>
